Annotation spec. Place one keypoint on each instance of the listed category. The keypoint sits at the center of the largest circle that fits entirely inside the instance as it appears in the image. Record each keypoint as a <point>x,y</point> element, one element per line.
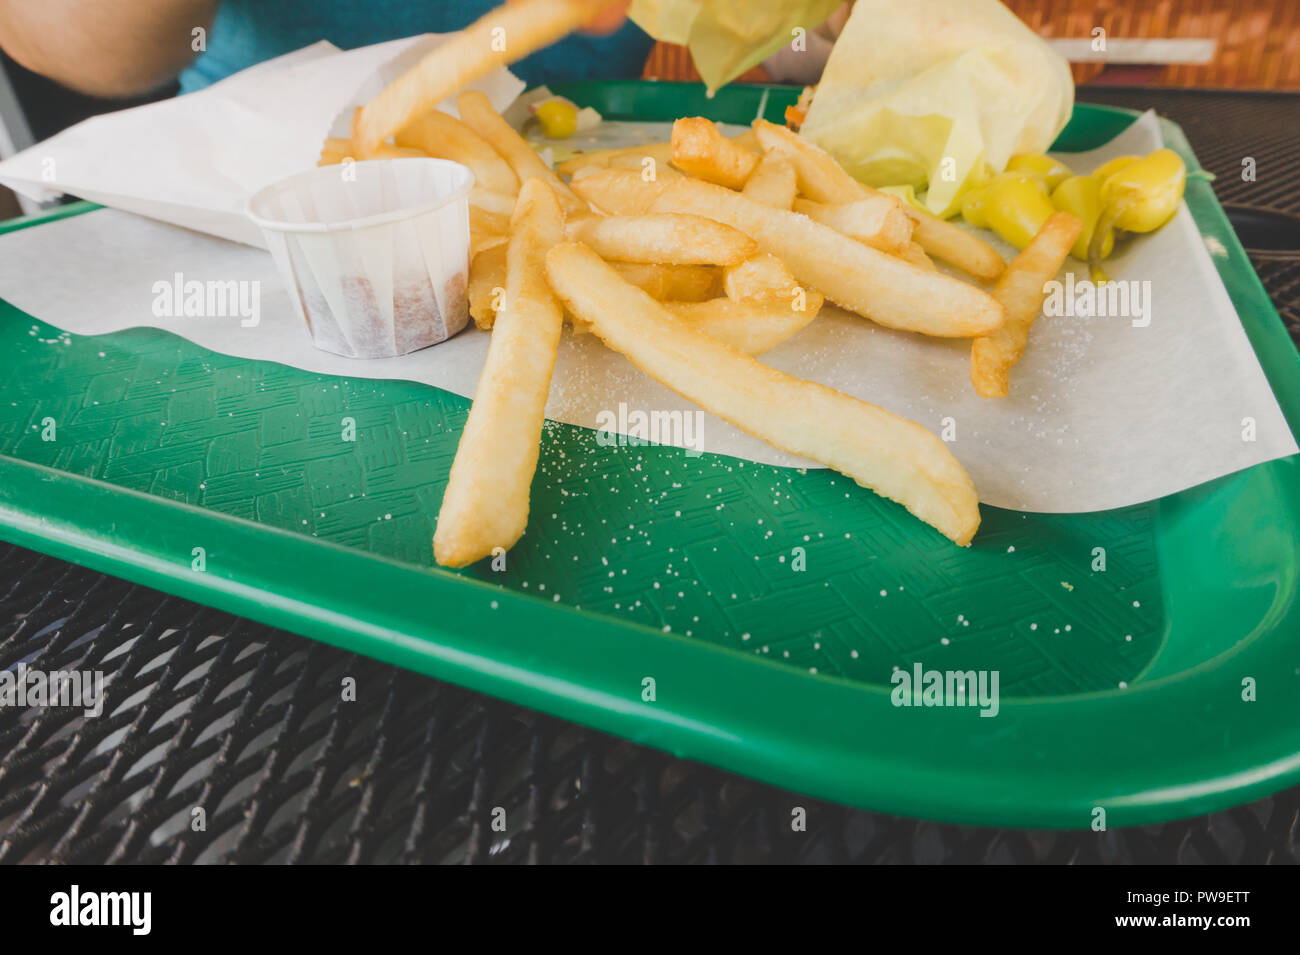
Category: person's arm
<point>110,48</point>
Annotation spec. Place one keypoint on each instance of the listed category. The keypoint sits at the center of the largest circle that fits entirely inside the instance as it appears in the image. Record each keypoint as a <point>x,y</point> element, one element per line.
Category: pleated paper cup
<point>375,254</point>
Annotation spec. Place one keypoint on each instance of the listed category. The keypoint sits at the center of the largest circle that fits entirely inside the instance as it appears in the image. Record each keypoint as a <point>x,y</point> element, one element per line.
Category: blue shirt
<point>246,32</point>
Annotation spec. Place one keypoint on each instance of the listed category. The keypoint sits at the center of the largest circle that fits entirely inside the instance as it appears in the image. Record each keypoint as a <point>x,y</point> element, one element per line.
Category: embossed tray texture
<point>651,596</point>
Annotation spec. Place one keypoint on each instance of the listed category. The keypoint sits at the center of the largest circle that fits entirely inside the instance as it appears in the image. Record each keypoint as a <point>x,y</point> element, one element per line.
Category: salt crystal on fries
<point>663,238</point>
<point>485,505</point>
<point>700,150</point>
<point>749,140</point>
<point>895,457</point>
<point>820,177</point>
<point>881,287</point>
<point>467,56</point>
<point>620,192</point>
<point>1020,290</point>
<point>912,252</point>
<point>661,153</point>
<point>956,246</point>
<point>772,182</point>
<point>878,220</point>
<point>760,278</point>
<point>752,326</point>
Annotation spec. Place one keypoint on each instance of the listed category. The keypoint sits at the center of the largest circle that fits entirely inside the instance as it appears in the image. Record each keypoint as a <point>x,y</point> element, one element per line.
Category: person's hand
<point>605,22</point>
<point>609,19</point>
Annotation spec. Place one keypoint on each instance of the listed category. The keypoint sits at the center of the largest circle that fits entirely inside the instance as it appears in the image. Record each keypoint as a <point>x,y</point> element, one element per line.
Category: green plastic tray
<point>643,562</point>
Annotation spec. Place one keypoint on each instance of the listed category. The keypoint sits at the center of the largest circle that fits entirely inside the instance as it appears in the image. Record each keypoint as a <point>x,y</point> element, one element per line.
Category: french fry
<point>664,238</point>
<point>640,163</point>
<point>477,112</point>
<point>752,327</point>
<point>760,278</point>
<point>699,149</point>
<point>822,179</point>
<point>444,136</point>
<point>671,283</point>
<point>877,220</point>
<point>583,172</point>
<point>1020,290</point>
<point>494,202</point>
<point>389,151</point>
<point>482,220</point>
<point>620,192</point>
<point>336,150</point>
<point>633,157</point>
<point>629,157</point>
<point>484,241</point>
<point>487,284</point>
<point>485,505</point>
<point>956,246</point>
<point>470,55</point>
<point>772,182</point>
<point>912,252</point>
<point>749,140</point>
<point>661,153</point>
<point>894,457</point>
<point>879,286</point>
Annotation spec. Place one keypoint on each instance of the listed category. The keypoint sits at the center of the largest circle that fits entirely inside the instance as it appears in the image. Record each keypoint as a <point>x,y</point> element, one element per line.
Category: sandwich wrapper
<point>726,39</point>
<point>930,94</point>
<point>1102,413</point>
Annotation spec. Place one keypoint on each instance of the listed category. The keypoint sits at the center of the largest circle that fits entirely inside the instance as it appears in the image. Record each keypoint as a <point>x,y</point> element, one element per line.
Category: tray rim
<point>898,776</point>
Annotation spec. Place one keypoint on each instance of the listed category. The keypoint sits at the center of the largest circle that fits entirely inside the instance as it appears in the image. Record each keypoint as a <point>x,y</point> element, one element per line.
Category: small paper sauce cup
<point>375,254</point>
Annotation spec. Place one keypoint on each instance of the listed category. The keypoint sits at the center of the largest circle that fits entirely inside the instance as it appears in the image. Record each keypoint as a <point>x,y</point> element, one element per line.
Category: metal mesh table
<point>246,721</point>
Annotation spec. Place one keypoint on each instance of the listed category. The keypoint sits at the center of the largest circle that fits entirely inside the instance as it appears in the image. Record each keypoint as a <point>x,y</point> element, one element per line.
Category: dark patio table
<point>245,719</point>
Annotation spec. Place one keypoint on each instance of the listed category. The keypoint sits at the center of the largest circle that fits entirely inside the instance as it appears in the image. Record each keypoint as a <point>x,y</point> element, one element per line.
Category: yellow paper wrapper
<point>727,38</point>
<point>929,93</point>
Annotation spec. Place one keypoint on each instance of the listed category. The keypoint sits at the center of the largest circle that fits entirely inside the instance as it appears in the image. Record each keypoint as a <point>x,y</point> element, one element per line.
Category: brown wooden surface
<point>1258,40</point>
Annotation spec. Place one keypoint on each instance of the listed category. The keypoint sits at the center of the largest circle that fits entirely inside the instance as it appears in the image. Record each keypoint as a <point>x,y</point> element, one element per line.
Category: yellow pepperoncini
<point>1104,171</point>
<point>1130,193</point>
<point>972,203</point>
<point>1145,195</point>
<point>1138,196</point>
<point>1014,205</point>
<point>559,120</point>
<point>1052,171</point>
<point>1081,195</point>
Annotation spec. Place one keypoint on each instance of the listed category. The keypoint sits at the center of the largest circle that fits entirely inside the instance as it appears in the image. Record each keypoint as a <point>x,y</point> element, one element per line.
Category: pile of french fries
<point>690,257</point>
